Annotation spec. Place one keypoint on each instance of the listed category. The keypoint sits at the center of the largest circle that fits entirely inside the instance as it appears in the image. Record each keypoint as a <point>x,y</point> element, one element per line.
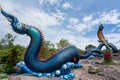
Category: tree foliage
<point>10,54</point>
<point>81,51</point>
<point>62,43</point>
<point>7,40</point>
<point>48,45</point>
<point>48,49</point>
<point>90,46</point>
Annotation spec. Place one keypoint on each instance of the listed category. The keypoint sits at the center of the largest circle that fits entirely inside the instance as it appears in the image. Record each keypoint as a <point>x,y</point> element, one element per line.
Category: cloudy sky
<point>74,20</point>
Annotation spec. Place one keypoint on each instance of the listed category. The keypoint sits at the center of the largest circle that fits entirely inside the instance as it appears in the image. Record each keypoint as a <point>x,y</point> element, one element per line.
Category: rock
<point>93,70</point>
<point>97,62</point>
<point>111,78</point>
<point>79,79</point>
<point>101,74</point>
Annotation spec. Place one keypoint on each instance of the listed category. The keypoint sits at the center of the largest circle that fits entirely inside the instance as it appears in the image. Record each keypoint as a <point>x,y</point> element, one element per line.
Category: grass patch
<point>3,76</point>
<point>108,62</point>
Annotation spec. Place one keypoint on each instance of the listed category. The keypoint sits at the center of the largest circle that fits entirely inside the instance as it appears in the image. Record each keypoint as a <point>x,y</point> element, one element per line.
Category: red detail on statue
<point>107,55</point>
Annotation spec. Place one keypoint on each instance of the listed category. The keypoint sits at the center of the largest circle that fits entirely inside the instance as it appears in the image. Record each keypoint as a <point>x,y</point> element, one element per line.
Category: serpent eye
<point>24,26</point>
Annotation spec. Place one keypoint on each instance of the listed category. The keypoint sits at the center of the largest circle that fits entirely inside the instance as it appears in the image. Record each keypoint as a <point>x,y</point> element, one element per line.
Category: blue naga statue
<point>105,43</point>
<point>97,52</point>
<point>59,64</point>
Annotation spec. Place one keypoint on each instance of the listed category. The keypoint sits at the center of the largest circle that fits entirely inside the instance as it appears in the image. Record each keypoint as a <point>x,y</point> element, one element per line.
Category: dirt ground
<point>105,72</point>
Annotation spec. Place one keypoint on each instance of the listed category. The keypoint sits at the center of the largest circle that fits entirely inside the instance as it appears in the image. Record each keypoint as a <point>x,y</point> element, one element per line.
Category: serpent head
<point>16,26</point>
<point>101,27</point>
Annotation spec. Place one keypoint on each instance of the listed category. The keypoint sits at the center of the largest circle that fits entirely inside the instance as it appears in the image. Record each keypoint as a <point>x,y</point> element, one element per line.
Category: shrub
<point>9,60</point>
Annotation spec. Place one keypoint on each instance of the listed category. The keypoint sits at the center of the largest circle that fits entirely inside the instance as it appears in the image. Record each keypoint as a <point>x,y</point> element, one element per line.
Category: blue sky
<point>74,20</point>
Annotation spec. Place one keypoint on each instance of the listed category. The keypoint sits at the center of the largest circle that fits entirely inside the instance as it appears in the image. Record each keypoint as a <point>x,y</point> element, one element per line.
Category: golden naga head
<point>100,34</point>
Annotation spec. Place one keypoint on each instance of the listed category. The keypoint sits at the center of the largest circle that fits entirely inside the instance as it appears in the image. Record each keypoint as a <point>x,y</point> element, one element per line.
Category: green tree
<point>48,49</point>
<point>10,54</point>
<point>81,51</point>
<point>62,43</point>
<point>9,60</point>
<point>90,46</point>
<point>8,40</point>
<point>48,45</point>
<point>0,45</point>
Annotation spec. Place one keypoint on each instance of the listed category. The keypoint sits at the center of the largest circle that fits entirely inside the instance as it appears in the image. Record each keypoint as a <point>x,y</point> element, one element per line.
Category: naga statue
<point>60,64</point>
<point>97,52</point>
<point>109,46</point>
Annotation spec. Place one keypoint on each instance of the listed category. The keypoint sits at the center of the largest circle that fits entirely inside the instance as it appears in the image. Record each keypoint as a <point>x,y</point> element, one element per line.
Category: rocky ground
<point>91,70</point>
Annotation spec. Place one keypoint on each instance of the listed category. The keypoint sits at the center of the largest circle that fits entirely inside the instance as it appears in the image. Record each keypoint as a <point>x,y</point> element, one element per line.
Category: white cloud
<point>73,20</point>
<point>84,33</point>
<point>88,22</point>
<point>39,18</point>
<point>111,17</point>
<point>51,2</point>
<point>116,28</point>
<point>85,24</point>
<point>79,40</point>
<point>41,2</point>
<point>34,16</point>
<point>67,5</point>
<point>113,38</point>
<point>87,18</point>
<point>82,41</point>
<point>80,27</point>
<point>59,16</point>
